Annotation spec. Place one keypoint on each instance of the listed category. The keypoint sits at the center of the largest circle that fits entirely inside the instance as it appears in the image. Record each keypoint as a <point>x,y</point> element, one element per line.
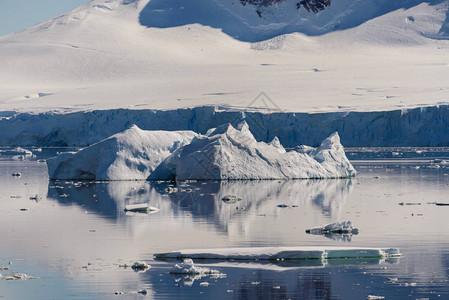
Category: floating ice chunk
<point>143,207</point>
<point>373,297</point>
<point>227,153</point>
<point>281,253</point>
<point>339,227</point>
<point>130,155</point>
<point>19,276</point>
<point>187,267</point>
<point>230,199</point>
<point>16,151</point>
<point>140,266</point>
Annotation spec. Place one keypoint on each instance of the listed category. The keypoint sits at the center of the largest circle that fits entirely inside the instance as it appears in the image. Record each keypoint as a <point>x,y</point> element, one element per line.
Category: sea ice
<point>130,155</point>
<point>281,253</point>
<point>229,153</point>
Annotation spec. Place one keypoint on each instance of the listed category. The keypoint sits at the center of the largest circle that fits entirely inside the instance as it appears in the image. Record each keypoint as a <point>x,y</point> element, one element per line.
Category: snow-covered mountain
<point>351,55</point>
<point>320,56</point>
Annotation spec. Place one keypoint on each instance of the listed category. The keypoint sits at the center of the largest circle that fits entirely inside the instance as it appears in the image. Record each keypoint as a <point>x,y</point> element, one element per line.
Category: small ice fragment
<point>1,276</point>
<point>140,266</point>
<point>372,297</point>
<point>338,227</point>
<point>143,207</point>
<point>204,284</point>
<point>142,292</point>
<point>188,267</point>
<point>35,197</point>
<point>19,276</point>
<point>230,199</point>
<point>16,174</point>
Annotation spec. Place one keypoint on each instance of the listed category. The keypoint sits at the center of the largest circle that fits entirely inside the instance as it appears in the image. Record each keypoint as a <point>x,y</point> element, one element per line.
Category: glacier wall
<point>425,126</point>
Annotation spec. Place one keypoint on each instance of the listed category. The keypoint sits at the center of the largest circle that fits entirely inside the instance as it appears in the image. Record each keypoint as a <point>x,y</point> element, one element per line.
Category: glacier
<point>422,126</point>
<point>130,155</point>
<point>228,153</point>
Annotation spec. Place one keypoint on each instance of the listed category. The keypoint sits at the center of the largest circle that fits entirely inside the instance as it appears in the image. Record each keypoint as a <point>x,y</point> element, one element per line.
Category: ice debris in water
<point>140,266</point>
<point>230,199</point>
<point>143,207</point>
<point>338,227</point>
<point>187,267</point>
<point>16,151</point>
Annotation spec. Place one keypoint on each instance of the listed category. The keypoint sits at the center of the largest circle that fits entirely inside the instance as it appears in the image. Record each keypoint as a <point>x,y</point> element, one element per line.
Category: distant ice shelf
<point>425,126</point>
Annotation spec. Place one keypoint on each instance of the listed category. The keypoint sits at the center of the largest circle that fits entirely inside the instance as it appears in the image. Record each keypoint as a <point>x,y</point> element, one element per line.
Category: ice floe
<point>338,227</point>
<point>281,253</point>
<point>143,207</point>
<point>130,155</point>
<point>229,153</point>
<point>16,151</point>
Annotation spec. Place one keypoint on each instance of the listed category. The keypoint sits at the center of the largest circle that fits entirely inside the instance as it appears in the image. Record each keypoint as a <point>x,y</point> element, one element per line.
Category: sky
<point>16,15</point>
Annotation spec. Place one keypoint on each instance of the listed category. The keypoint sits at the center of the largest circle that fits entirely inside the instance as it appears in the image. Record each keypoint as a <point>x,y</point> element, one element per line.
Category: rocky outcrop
<point>313,5</point>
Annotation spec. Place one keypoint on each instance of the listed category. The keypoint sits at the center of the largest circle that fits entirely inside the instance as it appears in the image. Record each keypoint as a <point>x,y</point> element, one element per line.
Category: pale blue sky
<point>16,15</point>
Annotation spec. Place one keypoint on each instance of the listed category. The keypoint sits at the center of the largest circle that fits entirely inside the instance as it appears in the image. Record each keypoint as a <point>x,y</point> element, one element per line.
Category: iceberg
<point>344,227</point>
<point>281,253</point>
<point>228,153</point>
<point>129,155</point>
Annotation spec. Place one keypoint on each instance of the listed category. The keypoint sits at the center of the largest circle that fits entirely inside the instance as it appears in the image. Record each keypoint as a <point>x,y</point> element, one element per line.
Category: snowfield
<point>149,57</point>
<point>130,155</point>
<point>227,153</point>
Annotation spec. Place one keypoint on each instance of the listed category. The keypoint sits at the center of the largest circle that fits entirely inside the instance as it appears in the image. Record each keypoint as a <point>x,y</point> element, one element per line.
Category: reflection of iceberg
<point>108,199</point>
<point>204,199</point>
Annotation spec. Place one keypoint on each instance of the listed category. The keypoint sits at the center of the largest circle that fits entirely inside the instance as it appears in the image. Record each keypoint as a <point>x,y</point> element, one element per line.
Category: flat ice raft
<point>281,253</point>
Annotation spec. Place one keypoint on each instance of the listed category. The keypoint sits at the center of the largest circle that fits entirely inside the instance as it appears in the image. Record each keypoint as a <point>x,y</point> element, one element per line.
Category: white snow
<point>353,56</point>
<point>130,155</point>
<point>279,253</point>
<point>234,154</point>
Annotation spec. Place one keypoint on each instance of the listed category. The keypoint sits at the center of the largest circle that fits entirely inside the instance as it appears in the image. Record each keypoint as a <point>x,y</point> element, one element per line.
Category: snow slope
<point>352,56</point>
<point>130,155</point>
<point>226,153</point>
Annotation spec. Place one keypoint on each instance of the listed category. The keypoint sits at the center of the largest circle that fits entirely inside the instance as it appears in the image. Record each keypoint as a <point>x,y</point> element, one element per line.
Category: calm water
<point>75,236</point>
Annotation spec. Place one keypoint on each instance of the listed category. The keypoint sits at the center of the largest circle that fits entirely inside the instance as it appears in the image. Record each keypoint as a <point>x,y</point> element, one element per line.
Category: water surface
<point>75,235</point>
